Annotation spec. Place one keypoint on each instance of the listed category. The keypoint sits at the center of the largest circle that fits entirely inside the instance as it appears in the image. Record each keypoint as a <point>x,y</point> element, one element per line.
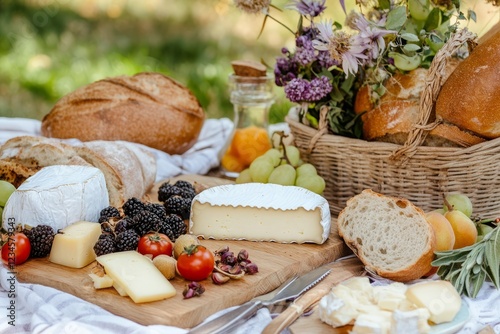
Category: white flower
<point>342,47</point>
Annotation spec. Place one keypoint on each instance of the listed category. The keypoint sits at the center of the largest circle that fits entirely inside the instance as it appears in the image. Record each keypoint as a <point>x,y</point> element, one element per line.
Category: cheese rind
<point>74,245</point>
<point>260,212</point>
<point>137,276</point>
<point>58,196</point>
<point>439,297</point>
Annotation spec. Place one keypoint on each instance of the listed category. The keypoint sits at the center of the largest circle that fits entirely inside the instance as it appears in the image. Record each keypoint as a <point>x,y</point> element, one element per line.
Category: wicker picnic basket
<point>421,174</point>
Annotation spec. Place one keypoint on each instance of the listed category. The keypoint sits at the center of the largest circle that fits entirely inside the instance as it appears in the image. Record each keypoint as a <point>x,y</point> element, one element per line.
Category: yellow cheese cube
<point>137,275</point>
<point>439,297</point>
<point>101,282</point>
<point>74,246</point>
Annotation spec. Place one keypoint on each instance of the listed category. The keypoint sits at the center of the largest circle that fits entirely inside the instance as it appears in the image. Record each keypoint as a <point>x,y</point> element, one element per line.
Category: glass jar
<point>252,97</point>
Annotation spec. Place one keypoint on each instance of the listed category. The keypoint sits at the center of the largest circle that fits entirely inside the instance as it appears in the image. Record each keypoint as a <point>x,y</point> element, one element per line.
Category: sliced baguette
<point>389,235</point>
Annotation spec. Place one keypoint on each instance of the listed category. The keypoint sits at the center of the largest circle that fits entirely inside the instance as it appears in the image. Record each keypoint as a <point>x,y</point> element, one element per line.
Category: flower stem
<point>280,23</point>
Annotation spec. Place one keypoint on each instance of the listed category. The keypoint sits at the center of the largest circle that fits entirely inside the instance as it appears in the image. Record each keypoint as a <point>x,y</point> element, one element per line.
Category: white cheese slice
<point>439,297</point>
<point>74,245</point>
<point>137,276</point>
<point>410,322</point>
<point>372,323</point>
<point>58,196</point>
<point>260,212</point>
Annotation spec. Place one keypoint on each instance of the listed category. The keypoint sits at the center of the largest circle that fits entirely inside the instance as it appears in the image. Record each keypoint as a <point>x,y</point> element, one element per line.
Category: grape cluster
<point>6,189</point>
<point>283,166</point>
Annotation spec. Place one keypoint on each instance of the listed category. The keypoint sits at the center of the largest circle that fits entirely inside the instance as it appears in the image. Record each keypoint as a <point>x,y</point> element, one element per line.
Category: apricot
<point>249,143</point>
<point>232,163</point>
<point>445,236</point>
<point>463,227</point>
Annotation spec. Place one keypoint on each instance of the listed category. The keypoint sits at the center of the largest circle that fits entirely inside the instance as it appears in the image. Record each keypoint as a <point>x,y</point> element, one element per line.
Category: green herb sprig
<point>468,267</point>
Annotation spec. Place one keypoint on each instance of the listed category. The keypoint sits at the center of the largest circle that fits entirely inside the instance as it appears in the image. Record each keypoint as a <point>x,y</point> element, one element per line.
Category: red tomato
<point>155,244</point>
<point>195,263</point>
<point>16,250</point>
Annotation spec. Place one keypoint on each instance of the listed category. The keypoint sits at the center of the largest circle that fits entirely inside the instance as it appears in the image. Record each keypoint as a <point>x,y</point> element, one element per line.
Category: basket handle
<point>433,83</point>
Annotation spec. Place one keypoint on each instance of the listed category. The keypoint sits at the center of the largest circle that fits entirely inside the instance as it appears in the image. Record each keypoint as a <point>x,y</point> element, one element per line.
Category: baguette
<point>147,108</point>
<point>390,235</point>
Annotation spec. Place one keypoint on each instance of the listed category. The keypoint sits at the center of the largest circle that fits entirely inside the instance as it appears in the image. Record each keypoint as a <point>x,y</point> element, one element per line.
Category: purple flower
<point>310,8</point>
<point>370,35</point>
<point>302,90</point>
<point>305,52</point>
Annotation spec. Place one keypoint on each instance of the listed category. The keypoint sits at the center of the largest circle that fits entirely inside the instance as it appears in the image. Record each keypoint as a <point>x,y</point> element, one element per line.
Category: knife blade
<point>233,318</point>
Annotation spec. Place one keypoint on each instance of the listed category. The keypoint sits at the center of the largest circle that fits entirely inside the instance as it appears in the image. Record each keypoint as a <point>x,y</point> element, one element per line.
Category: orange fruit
<point>249,143</point>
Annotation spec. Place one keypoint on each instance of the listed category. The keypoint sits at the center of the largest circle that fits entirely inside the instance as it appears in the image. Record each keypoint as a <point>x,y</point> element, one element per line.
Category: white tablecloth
<point>34,308</point>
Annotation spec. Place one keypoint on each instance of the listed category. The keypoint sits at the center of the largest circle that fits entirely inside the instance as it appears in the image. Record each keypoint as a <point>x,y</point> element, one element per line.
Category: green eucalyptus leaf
<point>419,9</point>
<point>404,62</point>
<point>434,20</point>
<point>471,15</point>
<point>396,18</point>
<point>409,37</point>
<point>411,47</point>
<point>384,4</point>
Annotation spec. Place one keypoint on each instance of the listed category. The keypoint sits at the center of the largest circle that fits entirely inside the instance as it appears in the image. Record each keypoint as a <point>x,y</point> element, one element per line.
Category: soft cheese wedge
<point>58,196</point>
<point>137,276</point>
<point>73,246</point>
<point>260,212</point>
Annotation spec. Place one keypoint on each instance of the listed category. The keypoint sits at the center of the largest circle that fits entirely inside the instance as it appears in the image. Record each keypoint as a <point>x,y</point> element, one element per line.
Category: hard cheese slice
<point>260,212</point>
<point>74,245</point>
<point>137,275</point>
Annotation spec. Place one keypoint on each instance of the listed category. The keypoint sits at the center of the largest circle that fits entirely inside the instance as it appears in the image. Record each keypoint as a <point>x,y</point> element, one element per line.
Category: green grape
<point>1,213</point>
<point>244,177</point>
<point>306,169</point>
<point>260,169</point>
<point>314,183</point>
<point>284,175</point>
<point>275,155</point>
<point>6,189</point>
<point>293,155</point>
<point>459,202</point>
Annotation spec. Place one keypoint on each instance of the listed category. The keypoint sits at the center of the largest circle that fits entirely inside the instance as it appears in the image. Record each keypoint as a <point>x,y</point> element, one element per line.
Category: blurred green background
<point>49,48</point>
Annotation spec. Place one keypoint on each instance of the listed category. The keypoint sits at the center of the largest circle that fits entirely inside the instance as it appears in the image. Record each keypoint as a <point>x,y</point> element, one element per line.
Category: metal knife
<point>233,318</point>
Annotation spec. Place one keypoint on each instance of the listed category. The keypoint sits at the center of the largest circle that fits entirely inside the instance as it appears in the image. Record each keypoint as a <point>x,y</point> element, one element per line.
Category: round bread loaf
<point>147,108</point>
<point>469,98</point>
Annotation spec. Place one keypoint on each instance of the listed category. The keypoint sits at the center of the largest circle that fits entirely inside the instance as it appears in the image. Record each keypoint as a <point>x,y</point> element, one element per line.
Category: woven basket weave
<point>421,174</point>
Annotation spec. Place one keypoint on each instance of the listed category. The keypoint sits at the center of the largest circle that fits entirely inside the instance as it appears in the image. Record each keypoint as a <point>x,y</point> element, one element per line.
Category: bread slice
<point>389,235</point>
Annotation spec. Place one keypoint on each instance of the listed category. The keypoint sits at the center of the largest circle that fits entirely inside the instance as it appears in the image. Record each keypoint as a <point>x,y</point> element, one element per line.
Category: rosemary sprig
<point>468,267</point>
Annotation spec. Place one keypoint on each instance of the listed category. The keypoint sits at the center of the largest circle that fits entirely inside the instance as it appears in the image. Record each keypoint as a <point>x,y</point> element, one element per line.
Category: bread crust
<point>411,271</point>
<point>147,108</point>
<point>469,98</point>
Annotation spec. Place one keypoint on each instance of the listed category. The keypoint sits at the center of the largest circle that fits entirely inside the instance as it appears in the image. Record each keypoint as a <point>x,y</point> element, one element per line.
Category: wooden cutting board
<point>276,262</point>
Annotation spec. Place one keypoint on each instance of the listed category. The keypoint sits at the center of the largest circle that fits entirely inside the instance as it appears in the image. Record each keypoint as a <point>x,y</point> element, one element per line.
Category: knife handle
<point>229,319</point>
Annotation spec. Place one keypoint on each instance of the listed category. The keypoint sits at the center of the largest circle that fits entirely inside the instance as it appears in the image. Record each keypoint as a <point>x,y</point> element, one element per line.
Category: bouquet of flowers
<point>332,61</point>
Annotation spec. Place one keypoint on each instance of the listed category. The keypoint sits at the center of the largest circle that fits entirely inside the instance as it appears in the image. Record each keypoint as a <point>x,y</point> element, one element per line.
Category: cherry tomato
<point>195,263</point>
<point>155,244</point>
<point>16,250</point>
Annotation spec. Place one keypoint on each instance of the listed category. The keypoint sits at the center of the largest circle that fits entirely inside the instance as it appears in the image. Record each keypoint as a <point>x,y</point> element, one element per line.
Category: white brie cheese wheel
<point>260,212</point>
<point>57,196</point>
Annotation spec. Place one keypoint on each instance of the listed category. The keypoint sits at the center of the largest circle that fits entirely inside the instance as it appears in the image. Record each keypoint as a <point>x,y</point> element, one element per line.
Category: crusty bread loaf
<point>390,235</point>
<point>470,97</point>
<point>397,111</point>
<point>147,108</point>
<point>128,172</point>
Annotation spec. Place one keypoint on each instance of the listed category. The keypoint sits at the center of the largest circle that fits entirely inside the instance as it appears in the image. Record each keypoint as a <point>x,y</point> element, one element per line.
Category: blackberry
<point>157,209</point>
<point>178,205</point>
<point>184,184</point>
<point>108,213</point>
<point>106,227</point>
<point>133,206</point>
<point>127,240</point>
<point>145,221</point>
<point>123,225</point>
<point>105,244</point>
<point>41,238</point>
<point>173,227</point>
<point>188,193</point>
<point>167,190</point>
